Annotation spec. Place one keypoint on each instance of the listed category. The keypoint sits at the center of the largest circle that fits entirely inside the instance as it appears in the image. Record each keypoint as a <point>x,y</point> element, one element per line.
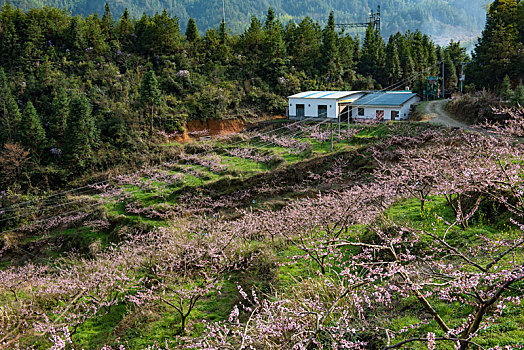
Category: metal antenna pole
<point>224,11</point>
<point>378,18</point>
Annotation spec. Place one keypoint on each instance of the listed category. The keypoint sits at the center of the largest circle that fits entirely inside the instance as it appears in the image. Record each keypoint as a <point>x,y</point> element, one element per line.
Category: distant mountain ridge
<point>442,19</point>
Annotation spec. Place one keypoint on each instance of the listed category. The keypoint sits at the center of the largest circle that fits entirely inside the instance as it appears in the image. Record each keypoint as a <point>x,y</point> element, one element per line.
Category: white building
<point>321,104</point>
<point>390,105</point>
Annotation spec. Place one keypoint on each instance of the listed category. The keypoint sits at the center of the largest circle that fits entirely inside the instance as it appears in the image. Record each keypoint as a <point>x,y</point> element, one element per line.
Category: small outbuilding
<point>321,104</point>
<point>390,105</point>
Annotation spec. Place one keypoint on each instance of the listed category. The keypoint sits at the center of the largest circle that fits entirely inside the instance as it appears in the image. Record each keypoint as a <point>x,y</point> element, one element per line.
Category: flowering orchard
<point>413,240</point>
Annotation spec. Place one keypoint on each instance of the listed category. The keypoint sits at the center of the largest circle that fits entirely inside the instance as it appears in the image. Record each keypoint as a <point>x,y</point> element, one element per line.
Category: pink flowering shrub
<point>295,146</point>
<point>249,153</point>
<point>211,161</point>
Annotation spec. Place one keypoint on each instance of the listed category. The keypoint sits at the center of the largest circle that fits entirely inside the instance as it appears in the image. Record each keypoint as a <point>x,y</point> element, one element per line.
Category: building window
<point>361,112</point>
<point>394,115</point>
<point>322,111</point>
<point>380,114</point>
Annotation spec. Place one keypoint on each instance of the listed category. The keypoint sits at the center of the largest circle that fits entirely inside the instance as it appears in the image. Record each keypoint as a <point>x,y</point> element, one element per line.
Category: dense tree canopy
<point>98,83</point>
<point>499,51</point>
<point>440,19</point>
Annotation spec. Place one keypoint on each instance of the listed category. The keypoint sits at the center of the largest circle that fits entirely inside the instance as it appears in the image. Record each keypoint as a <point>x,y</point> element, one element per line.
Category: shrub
<point>275,161</point>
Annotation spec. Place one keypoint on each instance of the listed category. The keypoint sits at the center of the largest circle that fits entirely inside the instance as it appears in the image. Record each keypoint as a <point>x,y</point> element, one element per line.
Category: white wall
<point>407,106</point>
<point>311,106</point>
<point>371,111</point>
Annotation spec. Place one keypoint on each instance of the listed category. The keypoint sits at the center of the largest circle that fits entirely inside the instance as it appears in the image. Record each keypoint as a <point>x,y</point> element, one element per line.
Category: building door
<point>346,114</point>
<point>322,111</point>
<point>380,114</point>
<point>394,115</point>
<point>300,111</point>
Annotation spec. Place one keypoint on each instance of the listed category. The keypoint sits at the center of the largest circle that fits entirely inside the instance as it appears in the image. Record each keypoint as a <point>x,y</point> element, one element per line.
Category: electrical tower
<point>374,20</point>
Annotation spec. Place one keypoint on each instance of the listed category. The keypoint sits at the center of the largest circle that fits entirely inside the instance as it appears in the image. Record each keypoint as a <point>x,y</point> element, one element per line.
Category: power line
<point>374,21</point>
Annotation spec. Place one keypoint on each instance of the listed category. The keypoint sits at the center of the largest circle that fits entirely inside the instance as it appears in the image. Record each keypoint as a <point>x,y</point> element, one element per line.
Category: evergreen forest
<point>440,19</point>
<point>86,94</point>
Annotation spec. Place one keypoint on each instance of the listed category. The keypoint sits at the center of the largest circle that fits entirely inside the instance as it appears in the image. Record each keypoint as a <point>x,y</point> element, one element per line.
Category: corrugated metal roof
<point>332,95</point>
<point>384,99</point>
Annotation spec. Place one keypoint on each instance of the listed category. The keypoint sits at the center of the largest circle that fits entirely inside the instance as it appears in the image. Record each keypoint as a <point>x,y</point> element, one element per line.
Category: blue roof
<point>384,99</point>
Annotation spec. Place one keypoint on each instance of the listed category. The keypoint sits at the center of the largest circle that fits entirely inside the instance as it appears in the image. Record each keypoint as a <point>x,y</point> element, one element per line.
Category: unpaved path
<point>437,113</point>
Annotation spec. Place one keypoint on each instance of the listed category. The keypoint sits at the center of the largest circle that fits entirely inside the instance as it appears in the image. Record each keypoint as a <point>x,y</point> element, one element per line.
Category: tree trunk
<point>183,325</point>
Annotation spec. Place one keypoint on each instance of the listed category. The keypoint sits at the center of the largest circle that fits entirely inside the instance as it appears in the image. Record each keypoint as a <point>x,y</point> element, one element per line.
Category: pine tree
<point>150,95</point>
<point>223,32</point>
<point>3,80</point>
<point>373,54</point>
<point>450,72</point>
<point>329,49</point>
<point>125,28</point>
<point>518,95</point>
<point>393,69</point>
<point>76,35</point>
<point>192,33</point>
<point>81,136</point>
<point>306,48</point>
<point>498,45</point>
<point>31,133</point>
<point>273,46</point>
<point>107,23</point>
<point>10,43</point>
<point>10,117</point>
<point>505,89</point>
<point>252,39</point>
<point>58,119</point>
<point>270,18</point>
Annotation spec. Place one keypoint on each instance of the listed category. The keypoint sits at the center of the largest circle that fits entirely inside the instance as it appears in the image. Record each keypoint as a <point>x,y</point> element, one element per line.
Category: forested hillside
<point>84,94</point>
<point>443,20</point>
<point>121,227</point>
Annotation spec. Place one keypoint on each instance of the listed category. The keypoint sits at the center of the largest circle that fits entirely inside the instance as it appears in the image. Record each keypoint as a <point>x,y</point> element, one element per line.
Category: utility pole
<point>347,136</point>
<point>462,77</point>
<point>331,129</point>
<point>443,81</point>
<point>339,121</point>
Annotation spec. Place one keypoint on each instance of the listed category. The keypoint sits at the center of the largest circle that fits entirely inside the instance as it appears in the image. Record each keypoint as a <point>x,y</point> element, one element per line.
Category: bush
<point>197,147</point>
<point>307,152</point>
<point>475,108</point>
<point>275,161</point>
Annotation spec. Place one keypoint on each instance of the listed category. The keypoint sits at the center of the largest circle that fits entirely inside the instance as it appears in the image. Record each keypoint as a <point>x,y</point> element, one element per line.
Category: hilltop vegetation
<point>86,94</point>
<point>441,19</point>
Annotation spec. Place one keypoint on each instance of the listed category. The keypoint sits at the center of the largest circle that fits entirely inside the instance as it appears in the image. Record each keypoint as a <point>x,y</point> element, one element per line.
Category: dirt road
<point>437,113</point>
